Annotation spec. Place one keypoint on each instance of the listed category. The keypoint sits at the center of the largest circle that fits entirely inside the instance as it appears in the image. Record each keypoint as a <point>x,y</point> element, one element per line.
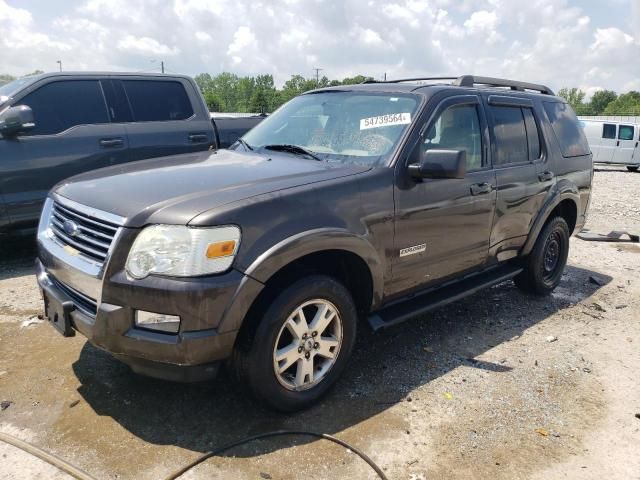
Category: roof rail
<point>471,81</point>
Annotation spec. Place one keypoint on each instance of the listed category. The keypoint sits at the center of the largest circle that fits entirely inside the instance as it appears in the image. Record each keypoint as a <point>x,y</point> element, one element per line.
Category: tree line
<point>603,102</point>
<point>228,92</point>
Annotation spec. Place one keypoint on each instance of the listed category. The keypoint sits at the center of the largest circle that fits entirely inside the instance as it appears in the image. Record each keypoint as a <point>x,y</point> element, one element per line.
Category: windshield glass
<point>7,91</point>
<point>349,127</point>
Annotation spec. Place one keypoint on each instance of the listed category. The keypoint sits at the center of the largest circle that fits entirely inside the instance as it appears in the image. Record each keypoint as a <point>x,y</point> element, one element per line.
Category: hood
<point>175,189</point>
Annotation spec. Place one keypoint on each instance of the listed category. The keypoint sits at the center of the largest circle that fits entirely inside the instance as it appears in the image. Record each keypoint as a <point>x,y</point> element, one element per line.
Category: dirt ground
<point>499,385</point>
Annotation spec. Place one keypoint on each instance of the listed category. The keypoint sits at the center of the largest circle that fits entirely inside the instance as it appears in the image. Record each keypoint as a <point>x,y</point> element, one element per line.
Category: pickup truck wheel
<point>544,266</point>
<point>633,168</point>
<point>301,346</point>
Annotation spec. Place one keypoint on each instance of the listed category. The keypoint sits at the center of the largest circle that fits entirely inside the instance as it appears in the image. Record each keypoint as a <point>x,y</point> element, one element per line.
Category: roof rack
<point>471,81</point>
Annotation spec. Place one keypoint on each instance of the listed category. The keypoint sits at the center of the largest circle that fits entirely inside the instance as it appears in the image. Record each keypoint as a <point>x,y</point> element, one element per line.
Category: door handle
<point>111,142</point>
<point>546,176</point>
<point>198,137</point>
<point>481,188</point>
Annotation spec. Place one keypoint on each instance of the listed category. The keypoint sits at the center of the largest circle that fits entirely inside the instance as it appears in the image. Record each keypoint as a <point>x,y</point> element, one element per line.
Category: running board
<point>425,302</point>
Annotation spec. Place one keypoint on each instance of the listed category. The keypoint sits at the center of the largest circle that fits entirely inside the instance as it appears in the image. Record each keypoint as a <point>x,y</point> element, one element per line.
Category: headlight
<point>181,251</point>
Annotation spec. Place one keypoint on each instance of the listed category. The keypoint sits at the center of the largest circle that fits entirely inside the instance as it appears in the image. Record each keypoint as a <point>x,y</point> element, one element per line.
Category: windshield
<point>7,91</point>
<point>338,126</point>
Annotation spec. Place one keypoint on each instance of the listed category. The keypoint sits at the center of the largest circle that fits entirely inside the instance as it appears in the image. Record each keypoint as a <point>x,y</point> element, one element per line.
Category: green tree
<point>355,80</point>
<point>259,102</point>
<point>601,99</point>
<point>244,93</point>
<point>625,104</point>
<point>6,78</point>
<point>213,101</point>
<point>575,97</point>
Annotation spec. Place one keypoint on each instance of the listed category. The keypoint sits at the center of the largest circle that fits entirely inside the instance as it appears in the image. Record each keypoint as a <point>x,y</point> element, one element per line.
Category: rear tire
<point>545,264</point>
<point>632,168</point>
<point>301,345</point>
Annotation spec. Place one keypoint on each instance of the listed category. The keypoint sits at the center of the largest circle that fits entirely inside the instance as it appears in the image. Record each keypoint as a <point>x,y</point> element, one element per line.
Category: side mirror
<point>440,164</point>
<point>15,120</point>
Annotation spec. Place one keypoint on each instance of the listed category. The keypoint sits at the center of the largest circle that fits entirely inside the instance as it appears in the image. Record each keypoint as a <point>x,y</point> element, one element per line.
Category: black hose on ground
<point>81,475</point>
<point>278,433</point>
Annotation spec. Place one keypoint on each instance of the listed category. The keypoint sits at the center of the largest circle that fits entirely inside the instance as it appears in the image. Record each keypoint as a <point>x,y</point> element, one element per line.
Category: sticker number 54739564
<point>385,120</point>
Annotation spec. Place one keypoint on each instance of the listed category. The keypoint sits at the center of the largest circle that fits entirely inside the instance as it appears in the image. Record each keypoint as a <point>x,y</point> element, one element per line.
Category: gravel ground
<point>499,385</point>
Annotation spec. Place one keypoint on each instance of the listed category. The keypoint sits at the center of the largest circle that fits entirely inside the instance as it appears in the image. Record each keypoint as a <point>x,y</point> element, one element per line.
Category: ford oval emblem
<point>70,228</point>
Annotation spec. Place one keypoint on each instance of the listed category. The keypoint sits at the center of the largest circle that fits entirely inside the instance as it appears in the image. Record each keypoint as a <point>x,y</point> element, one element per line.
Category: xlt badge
<point>412,250</point>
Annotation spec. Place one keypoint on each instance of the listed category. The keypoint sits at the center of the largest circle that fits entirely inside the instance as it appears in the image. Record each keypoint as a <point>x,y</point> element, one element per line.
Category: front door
<point>73,134</point>
<point>625,145</point>
<point>442,226</point>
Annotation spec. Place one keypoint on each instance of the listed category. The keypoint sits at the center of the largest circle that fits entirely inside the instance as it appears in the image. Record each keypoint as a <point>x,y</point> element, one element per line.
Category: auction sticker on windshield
<point>385,120</point>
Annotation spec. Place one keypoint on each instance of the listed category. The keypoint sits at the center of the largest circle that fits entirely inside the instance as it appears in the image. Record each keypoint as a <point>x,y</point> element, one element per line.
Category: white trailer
<point>614,142</point>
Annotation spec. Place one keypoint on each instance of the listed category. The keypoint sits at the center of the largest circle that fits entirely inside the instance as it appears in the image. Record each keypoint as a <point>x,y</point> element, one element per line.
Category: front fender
<point>318,240</point>
<point>562,191</point>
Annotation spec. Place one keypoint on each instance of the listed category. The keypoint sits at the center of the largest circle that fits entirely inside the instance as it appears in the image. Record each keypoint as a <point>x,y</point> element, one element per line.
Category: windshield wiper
<point>245,144</point>
<point>295,149</point>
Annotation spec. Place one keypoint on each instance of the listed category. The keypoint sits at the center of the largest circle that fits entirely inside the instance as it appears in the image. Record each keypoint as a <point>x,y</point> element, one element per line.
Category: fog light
<point>157,321</point>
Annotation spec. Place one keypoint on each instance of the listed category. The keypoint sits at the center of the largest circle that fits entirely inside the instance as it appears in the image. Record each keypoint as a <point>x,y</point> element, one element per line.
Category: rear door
<point>625,145</point>
<point>608,143</point>
<point>165,117</point>
<point>73,134</point>
<point>522,174</point>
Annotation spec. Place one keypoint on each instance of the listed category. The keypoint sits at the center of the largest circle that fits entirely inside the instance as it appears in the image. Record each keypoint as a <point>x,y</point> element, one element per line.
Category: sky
<point>591,44</point>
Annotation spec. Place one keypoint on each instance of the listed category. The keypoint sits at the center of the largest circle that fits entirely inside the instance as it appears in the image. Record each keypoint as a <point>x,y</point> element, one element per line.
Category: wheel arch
<point>333,252</point>
<point>564,203</point>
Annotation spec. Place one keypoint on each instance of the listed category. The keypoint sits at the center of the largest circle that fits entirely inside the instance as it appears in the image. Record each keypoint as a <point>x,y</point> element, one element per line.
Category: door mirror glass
<point>440,164</point>
<point>15,120</point>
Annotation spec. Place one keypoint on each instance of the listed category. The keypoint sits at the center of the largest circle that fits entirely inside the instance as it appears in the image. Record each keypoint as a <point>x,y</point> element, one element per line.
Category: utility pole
<point>162,66</point>
<point>317,76</point>
<point>385,76</point>
<point>59,62</point>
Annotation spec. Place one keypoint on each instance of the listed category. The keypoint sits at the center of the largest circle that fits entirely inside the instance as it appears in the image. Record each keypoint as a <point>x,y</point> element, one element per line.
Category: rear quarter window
<point>566,128</point>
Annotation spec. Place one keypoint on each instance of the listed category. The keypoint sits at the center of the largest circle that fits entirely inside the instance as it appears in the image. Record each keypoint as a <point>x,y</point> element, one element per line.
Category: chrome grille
<point>91,236</point>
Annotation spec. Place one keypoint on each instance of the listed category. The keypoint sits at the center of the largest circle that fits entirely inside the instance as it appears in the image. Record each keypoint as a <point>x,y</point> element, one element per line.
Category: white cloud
<point>481,21</point>
<point>145,46</point>
<point>559,42</point>
<point>242,39</point>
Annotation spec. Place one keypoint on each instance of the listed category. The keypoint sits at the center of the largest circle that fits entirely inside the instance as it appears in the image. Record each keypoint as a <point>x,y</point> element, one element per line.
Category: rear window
<point>157,101</point>
<point>511,137</point>
<point>625,132</point>
<point>567,129</point>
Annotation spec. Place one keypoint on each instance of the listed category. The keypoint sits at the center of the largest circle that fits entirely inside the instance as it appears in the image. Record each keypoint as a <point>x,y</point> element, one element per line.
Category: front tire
<point>633,168</point>
<point>545,264</point>
<point>301,345</point>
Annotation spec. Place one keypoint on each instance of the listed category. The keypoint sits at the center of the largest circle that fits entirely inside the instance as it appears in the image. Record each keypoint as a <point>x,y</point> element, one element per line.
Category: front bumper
<point>190,355</point>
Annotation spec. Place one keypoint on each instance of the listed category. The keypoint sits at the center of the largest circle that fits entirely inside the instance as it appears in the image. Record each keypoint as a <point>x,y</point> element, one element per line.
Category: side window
<point>157,101</point>
<point>533,135</point>
<point>567,129</point>
<point>625,132</point>
<point>510,134</point>
<point>59,106</point>
<point>458,128</point>
<point>608,131</point>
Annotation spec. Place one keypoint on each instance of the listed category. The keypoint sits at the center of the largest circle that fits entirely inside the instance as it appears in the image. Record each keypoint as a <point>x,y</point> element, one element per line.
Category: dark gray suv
<point>378,201</point>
